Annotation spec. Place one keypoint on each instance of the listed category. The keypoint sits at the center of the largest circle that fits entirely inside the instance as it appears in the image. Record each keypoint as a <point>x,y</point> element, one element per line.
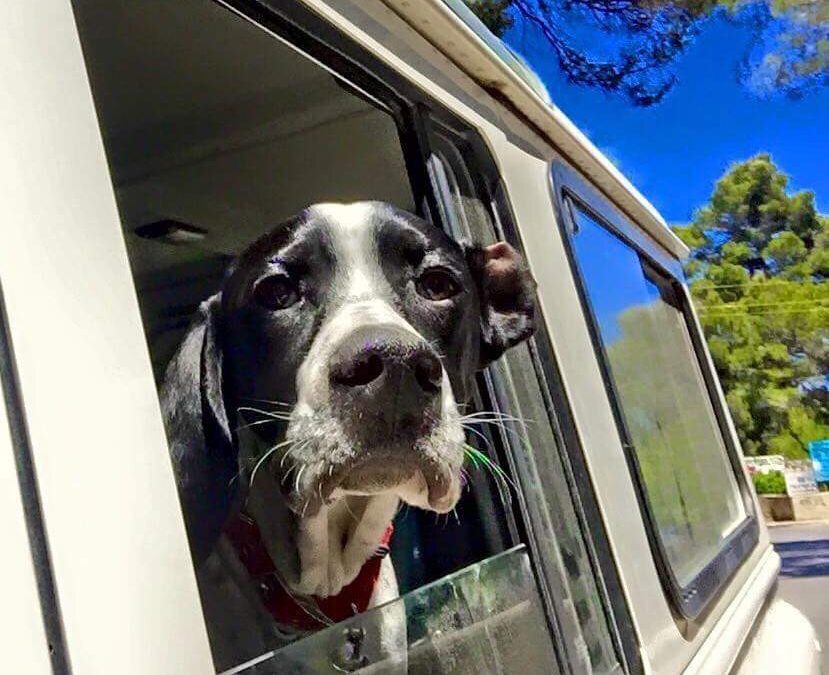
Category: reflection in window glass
<point>561,546</point>
<point>689,481</point>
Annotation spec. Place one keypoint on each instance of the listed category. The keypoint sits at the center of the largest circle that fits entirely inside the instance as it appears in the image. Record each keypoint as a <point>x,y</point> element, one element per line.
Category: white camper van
<point>145,142</point>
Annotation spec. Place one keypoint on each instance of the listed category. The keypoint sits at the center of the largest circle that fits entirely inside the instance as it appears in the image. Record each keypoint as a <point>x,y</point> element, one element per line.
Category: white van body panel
<point>783,642</point>
<point>119,552</point>
<point>718,654</point>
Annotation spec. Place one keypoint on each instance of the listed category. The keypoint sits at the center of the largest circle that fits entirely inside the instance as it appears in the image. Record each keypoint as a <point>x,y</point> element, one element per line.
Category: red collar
<point>244,535</point>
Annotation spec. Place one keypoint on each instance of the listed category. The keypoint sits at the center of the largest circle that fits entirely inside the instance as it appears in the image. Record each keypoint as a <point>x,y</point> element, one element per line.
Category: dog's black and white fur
<point>320,387</point>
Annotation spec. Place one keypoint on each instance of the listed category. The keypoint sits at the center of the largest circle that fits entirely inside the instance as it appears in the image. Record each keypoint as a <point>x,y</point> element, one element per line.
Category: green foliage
<point>758,276</point>
<point>670,427</point>
<point>750,206</point>
<point>690,236</point>
<point>771,483</point>
<point>738,253</point>
<point>787,445</point>
<point>785,251</point>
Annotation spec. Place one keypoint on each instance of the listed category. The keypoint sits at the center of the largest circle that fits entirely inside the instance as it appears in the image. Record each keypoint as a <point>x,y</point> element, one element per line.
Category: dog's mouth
<point>319,464</point>
<point>319,458</point>
<point>420,480</point>
<point>423,482</point>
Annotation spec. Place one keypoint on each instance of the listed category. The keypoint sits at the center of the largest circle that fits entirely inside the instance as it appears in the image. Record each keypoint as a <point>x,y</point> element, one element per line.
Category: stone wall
<point>808,506</point>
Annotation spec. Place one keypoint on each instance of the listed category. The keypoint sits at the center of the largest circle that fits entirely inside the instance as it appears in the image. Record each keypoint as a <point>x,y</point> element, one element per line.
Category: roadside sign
<point>800,477</point>
<point>819,452</point>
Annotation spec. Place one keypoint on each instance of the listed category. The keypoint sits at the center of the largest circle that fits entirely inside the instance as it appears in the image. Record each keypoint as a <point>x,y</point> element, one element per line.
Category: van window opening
<point>213,136</point>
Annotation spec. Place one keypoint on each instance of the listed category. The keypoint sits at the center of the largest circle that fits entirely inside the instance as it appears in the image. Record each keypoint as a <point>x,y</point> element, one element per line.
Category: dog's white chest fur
<point>333,544</point>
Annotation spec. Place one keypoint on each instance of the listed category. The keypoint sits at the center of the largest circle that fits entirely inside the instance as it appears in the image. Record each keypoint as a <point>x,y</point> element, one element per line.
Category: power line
<point>737,305</point>
<point>761,314</point>
<point>760,284</point>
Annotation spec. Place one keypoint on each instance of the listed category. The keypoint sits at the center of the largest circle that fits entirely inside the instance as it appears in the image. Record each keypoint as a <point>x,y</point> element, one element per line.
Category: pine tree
<point>758,274</point>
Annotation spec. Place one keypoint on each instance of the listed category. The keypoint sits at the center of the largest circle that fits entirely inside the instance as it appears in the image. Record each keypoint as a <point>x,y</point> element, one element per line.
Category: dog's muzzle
<point>376,413</point>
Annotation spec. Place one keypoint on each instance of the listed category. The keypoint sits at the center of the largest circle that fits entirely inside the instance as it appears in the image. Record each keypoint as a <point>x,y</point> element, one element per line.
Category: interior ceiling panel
<point>211,121</point>
<point>160,60</point>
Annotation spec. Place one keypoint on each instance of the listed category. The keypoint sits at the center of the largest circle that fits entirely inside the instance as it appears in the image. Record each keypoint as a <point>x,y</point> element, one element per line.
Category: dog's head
<point>348,336</point>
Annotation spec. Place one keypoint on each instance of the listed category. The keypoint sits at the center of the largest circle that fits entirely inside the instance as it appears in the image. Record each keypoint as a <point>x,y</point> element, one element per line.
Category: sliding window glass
<point>670,425</point>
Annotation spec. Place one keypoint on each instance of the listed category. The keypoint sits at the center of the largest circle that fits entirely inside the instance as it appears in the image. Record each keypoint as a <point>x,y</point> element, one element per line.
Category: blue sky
<point>673,152</point>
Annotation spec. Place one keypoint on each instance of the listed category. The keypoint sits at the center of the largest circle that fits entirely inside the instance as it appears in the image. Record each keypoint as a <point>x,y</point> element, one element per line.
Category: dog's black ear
<point>198,431</point>
<point>507,293</point>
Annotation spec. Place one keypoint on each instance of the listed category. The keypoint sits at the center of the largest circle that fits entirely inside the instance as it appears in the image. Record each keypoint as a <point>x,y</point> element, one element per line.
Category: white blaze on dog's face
<point>367,325</point>
<point>371,390</point>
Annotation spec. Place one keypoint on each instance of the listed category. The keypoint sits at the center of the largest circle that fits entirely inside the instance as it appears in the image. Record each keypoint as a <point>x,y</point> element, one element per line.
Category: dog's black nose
<point>358,370</point>
<point>388,390</point>
<point>392,366</point>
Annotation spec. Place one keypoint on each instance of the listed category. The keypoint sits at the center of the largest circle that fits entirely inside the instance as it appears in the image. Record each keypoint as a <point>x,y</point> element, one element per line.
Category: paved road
<point>804,576</point>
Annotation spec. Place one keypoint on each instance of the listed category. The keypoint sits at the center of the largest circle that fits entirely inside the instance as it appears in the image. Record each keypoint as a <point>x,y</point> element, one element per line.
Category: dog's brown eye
<point>437,284</point>
<point>276,292</point>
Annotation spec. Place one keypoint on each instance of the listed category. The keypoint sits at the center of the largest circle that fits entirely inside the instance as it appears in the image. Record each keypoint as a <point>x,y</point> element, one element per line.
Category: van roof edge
<point>452,29</point>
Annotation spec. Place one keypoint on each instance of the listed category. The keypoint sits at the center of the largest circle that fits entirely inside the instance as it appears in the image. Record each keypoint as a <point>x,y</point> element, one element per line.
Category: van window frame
<point>31,502</point>
<point>690,602</point>
<point>414,112</point>
<point>355,69</point>
<point>547,371</point>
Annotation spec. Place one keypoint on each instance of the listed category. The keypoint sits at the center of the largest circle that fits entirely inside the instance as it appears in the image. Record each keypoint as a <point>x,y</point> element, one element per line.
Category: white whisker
<point>520,438</point>
<point>493,416</point>
<point>265,457</point>
<point>480,435</point>
<point>290,470</point>
<point>255,424</point>
<point>265,400</point>
<point>266,413</point>
<point>492,413</point>
<point>298,478</point>
<point>300,445</point>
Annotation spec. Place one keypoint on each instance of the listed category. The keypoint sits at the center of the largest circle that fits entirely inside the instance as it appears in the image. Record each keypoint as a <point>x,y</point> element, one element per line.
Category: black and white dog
<point>312,394</point>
